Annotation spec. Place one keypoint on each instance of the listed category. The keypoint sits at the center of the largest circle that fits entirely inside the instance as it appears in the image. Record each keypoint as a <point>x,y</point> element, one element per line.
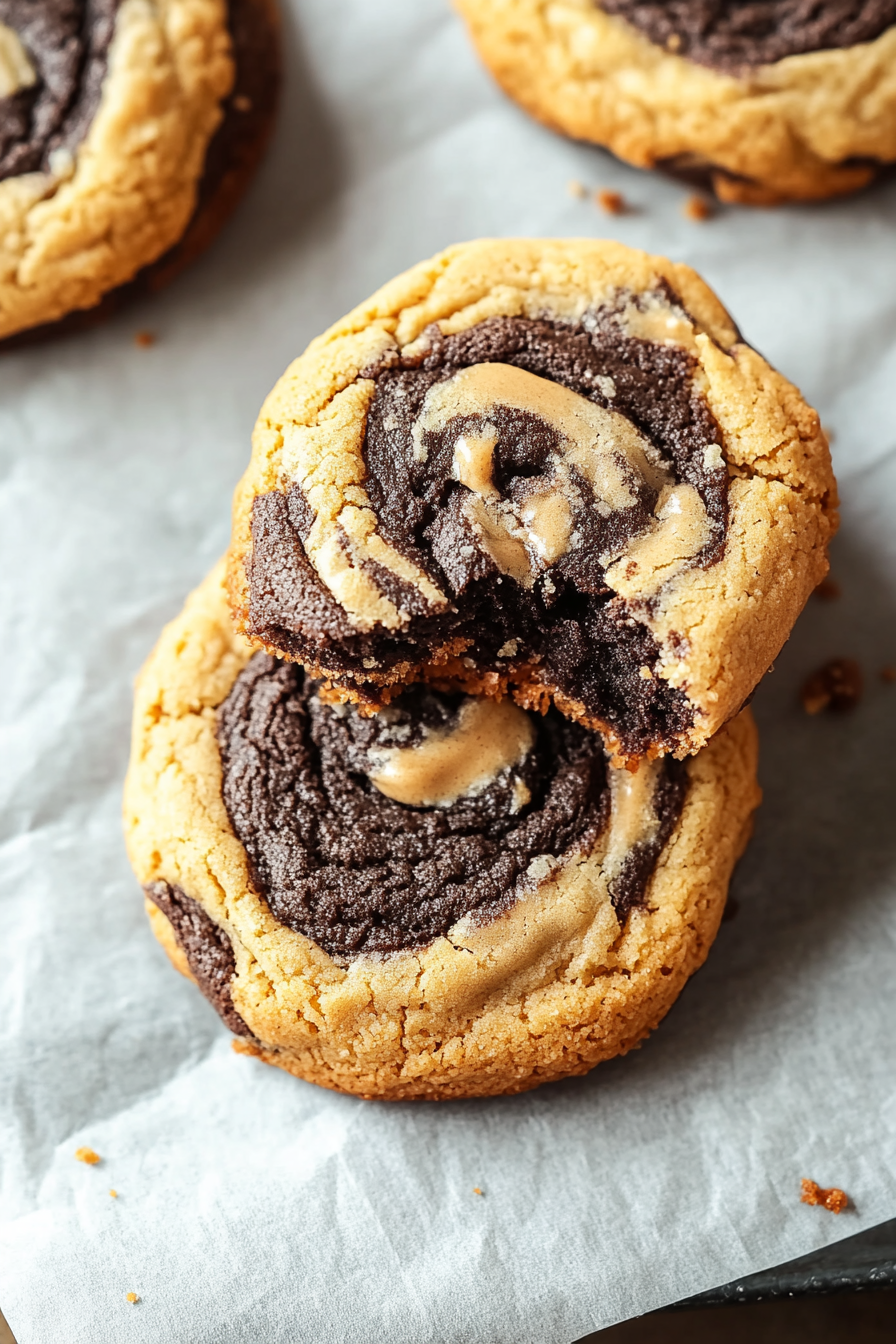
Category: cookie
<point>455,897</point>
<point>128,131</point>
<point>764,102</point>
<point>549,468</point>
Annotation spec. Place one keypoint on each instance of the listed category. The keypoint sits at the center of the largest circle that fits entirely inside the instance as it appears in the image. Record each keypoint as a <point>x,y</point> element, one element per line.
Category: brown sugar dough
<point>159,142</point>
<point>635,546</point>
<point>813,124</point>
<point>546,989</point>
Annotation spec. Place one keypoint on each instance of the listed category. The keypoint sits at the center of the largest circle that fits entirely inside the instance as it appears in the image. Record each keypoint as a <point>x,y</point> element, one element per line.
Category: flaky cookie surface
<point>808,126</point>
<point>708,627</point>
<point>548,989</point>
<point>125,195</point>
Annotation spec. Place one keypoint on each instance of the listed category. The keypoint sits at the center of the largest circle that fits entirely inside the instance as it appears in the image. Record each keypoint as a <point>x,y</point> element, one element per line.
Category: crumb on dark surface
<point>698,209</point>
<point>836,686</point>
<point>242,103</point>
<point>611,202</point>
<point>828,590</point>
<point>832,1199</point>
<point>87,1155</point>
<point>888,673</point>
<point>144,339</point>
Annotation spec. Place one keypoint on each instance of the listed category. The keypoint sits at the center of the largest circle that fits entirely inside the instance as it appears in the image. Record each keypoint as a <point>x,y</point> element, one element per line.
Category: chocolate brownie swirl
<point>377,834</point>
<point>535,482</point>
<point>205,945</point>
<point>733,35</point>
<point>53,56</point>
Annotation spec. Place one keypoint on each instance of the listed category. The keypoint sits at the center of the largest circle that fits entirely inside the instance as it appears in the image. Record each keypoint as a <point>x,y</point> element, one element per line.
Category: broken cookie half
<point>545,469</point>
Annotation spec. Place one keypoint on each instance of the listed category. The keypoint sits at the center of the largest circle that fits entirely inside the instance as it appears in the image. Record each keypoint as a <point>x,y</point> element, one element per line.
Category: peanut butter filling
<point>16,70</point>
<point>487,738</point>
<point>597,447</point>
<point>633,820</point>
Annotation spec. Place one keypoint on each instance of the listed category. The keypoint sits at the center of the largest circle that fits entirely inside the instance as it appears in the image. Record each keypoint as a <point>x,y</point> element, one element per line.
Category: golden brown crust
<point>804,128</point>
<point>719,629</point>
<point>548,990</point>
<point>69,237</point>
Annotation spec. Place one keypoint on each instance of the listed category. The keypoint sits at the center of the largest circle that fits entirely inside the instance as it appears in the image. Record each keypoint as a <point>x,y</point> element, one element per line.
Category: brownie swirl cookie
<point>454,897</point>
<point>763,100</point>
<point>546,468</point>
<point>128,130</point>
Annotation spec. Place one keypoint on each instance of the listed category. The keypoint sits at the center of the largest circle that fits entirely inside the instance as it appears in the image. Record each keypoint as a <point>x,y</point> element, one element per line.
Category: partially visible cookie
<point>454,898</point>
<point>768,101</point>
<point>128,131</point>
<point>546,468</point>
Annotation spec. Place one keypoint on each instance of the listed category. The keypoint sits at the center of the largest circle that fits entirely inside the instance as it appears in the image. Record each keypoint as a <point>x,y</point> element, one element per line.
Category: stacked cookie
<point>438,781</point>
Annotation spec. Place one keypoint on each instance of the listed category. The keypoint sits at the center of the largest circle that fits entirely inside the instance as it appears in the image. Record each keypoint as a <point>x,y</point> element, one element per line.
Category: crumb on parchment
<point>836,686</point>
<point>576,189</point>
<point>611,202</point>
<point>132,1298</point>
<point>114,1194</point>
<point>832,1199</point>
<point>697,209</point>
<point>476,1190</point>
<point>87,1155</point>
<point>828,590</point>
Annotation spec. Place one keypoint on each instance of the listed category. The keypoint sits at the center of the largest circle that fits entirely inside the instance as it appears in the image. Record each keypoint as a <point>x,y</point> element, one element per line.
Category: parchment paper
<point>253,1207</point>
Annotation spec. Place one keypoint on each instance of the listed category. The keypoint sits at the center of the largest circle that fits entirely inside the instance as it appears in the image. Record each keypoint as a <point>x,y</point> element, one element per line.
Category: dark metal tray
<point>861,1262</point>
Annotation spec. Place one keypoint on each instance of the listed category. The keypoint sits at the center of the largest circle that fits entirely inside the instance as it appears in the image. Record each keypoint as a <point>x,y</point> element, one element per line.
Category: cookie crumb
<point>698,209</point>
<point>114,1194</point>
<point>828,590</point>
<point>832,1199</point>
<point>144,339</point>
<point>888,673</point>
<point>576,189</point>
<point>87,1155</point>
<point>836,686</point>
<point>476,1190</point>
<point>673,42</point>
<point>611,202</point>
<point>132,1298</point>
<point>242,103</point>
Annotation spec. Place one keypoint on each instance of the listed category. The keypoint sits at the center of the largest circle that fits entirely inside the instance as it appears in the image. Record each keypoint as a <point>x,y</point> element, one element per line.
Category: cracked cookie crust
<point>549,469</point>
<point>764,102</point>
<point>587,949</point>
<point>128,131</point>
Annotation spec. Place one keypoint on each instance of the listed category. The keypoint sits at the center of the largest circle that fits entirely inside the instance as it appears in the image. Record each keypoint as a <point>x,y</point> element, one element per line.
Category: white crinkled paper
<point>255,1207</point>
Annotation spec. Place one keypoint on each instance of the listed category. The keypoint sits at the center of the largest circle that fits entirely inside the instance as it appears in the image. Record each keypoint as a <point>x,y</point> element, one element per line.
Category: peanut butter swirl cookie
<point>453,898</point>
<point>763,100</point>
<point>128,130</point>
<point>549,469</point>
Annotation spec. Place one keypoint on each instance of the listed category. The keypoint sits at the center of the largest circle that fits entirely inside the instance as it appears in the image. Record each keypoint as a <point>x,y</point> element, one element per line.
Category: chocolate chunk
<point>67,42</point>
<point>356,872</point>
<point>733,35</point>
<point>206,946</point>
